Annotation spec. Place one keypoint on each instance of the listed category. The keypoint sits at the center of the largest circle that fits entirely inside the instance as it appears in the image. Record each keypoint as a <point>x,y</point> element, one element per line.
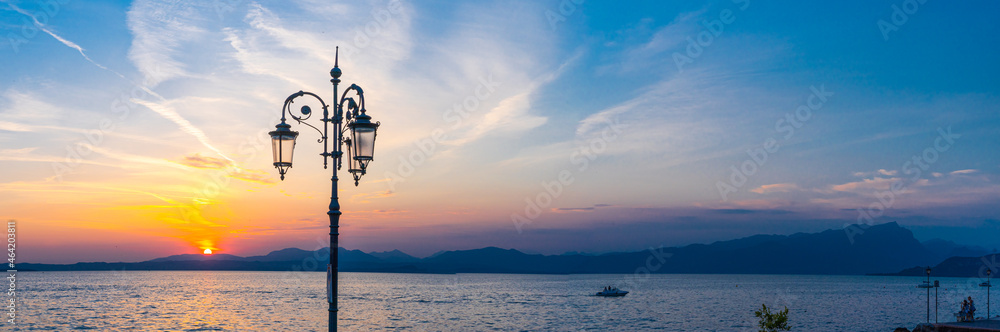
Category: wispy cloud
<point>11,126</point>
<point>513,114</point>
<point>160,109</point>
<point>582,209</point>
<point>168,112</point>
<point>654,51</point>
<point>132,158</point>
<point>253,175</point>
<point>27,155</point>
<point>62,40</point>
<point>157,39</point>
<point>775,188</point>
<point>882,172</point>
<point>199,161</point>
<point>683,115</point>
<point>220,77</point>
<point>367,197</point>
<point>21,151</point>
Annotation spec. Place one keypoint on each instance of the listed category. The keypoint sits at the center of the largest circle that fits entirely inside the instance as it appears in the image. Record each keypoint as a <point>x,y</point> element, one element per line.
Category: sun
<point>208,251</point>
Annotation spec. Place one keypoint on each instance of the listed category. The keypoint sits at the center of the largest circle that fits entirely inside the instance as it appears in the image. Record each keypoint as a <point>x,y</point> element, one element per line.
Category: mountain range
<point>879,249</point>
<point>959,267</point>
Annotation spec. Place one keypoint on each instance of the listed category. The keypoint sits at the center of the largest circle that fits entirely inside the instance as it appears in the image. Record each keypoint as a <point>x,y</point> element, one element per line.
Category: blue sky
<point>546,126</point>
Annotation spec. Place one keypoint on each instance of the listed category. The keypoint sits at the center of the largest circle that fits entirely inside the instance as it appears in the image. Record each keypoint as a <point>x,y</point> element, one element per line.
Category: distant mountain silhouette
<point>198,257</point>
<point>963,267</point>
<point>285,255</point>
<point>942,249</point>
<point>289,259</point>
<point>881,248</point>
<point>497,260</point>
<point>394,256</point>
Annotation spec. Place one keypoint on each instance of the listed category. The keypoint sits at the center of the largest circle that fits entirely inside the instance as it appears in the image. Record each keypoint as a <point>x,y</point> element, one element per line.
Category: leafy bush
<point>772,322</point>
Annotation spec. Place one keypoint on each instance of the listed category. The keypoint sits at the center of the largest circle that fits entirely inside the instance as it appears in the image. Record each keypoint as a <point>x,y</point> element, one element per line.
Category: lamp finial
<point>335,72</point>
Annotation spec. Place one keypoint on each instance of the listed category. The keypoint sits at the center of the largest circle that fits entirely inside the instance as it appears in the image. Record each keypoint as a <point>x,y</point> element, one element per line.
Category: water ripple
<point>284,301</point>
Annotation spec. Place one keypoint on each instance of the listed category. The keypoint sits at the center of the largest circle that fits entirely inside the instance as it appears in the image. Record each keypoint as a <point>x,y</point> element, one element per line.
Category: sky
<point>136,130</point>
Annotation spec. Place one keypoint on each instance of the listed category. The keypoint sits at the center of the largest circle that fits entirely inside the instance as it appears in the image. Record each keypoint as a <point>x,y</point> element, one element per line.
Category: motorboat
<point>611,291</point>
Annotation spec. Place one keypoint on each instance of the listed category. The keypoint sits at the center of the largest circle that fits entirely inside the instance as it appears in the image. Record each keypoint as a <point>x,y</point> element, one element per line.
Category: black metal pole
<point>334,213</point>
<point>935,304</point>
<point>928,298</point>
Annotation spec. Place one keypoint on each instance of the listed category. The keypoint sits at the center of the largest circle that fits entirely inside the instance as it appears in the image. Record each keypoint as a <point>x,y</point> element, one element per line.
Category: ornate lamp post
<point>360,146</point>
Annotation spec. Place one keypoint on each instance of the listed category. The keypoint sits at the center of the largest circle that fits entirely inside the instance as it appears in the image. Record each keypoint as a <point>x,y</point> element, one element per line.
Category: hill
<point>962,267</point>
<point>879,249</point>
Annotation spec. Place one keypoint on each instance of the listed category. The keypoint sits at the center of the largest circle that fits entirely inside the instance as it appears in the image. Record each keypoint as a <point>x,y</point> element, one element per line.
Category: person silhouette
<point>972,309</point>
<point>962,314</point>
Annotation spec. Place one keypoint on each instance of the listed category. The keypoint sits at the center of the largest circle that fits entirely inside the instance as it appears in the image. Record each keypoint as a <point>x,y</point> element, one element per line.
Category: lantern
<point>282,144</point>
<point>362,140</point>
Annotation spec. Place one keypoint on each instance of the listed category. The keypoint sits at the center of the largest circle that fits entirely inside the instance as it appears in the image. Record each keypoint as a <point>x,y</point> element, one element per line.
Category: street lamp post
<point>928,294</point>
<point>936,286</point>
<point>360,146</point>
<point>928,285</point>
<point>988,284</point>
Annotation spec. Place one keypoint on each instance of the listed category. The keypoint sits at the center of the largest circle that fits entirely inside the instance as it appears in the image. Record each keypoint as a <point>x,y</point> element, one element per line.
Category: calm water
<point>284,301</point>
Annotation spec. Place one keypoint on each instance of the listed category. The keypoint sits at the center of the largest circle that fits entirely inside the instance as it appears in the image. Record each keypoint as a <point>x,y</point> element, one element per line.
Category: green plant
<point>772,322</point>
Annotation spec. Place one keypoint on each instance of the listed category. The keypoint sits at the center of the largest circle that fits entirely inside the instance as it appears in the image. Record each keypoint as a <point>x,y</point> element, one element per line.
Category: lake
<point>295,301</point>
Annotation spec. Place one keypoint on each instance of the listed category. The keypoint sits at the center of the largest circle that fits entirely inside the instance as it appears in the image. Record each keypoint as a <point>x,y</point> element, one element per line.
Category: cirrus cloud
<point>775,188</point>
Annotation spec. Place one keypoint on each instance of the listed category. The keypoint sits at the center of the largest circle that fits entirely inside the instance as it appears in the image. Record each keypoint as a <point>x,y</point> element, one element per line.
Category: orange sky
<point>143,133</point>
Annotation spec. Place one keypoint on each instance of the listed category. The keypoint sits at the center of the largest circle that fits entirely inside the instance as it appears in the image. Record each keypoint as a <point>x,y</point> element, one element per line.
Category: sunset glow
<point>144,134</point>
<point>500,165</point>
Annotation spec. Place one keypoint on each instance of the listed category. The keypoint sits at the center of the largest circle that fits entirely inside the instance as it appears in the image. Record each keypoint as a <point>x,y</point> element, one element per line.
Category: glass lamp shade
<point>282,145</point>
<point>353,165</point>
<point>363,139</point>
